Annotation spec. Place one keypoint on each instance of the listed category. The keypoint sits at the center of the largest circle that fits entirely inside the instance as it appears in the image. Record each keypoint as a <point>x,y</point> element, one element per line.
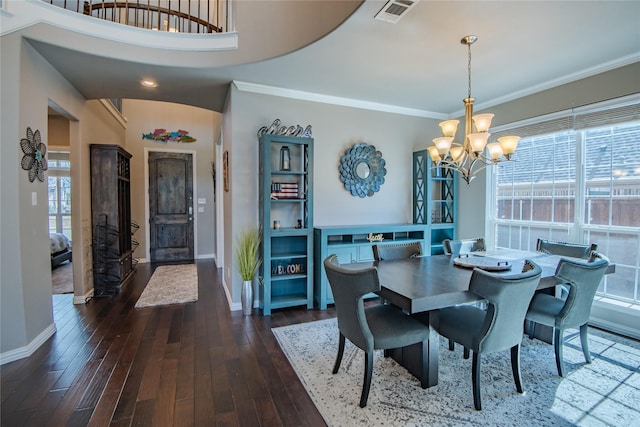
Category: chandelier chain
<point>469,68</point>
<point>475,153</point>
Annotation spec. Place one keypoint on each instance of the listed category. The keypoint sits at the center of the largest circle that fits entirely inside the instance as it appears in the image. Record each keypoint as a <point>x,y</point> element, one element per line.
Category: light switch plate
<point>202,201</point>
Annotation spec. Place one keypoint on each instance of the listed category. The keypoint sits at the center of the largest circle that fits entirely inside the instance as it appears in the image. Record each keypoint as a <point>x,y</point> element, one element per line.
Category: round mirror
<point>362,170</point>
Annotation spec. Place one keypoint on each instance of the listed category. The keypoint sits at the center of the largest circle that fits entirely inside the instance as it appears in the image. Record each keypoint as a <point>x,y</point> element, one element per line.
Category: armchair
<point>583,279</point>
<point>497,328</point>
<point>379,327</point>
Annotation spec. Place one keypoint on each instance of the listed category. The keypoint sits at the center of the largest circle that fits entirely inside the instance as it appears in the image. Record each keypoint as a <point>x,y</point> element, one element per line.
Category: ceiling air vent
<point>394,10</point>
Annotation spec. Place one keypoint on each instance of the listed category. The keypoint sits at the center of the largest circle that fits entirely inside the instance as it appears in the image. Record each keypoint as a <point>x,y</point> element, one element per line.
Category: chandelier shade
<point>476,152</point>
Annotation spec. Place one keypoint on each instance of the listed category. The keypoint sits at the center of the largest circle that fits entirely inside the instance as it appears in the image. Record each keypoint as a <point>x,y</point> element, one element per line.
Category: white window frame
<point>613,313</point>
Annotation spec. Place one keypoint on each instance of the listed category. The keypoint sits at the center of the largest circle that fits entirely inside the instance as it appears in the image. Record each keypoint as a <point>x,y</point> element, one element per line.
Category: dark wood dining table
<point>420,286</point>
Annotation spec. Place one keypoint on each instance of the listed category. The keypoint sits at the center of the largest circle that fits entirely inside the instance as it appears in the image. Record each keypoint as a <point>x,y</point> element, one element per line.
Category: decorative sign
<point>276,129</point>
<point>34,159</point>
<point>375,237</point>
<point>161,135</point>
<point>283,268</point>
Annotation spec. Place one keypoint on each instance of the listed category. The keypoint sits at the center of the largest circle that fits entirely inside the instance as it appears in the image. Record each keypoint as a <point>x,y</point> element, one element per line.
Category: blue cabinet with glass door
<point>286,221</point>
<point>434,200</point>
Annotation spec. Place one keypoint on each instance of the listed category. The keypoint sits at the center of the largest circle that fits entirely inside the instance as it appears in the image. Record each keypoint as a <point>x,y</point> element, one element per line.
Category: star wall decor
<point>34,159</point>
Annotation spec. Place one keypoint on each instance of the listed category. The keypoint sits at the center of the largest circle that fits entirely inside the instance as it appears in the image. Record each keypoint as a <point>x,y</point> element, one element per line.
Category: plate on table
<point>482,262</point>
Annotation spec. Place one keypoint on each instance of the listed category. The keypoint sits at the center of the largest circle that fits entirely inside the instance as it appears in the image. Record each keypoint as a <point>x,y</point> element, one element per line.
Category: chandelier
<point>474,154</point>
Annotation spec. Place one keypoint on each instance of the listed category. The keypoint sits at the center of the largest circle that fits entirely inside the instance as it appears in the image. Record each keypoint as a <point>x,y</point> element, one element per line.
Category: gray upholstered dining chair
<point>397,251</point>
<point>573,250</point>
<point>455,247</point>
<point>379,327</point>
<point>497,328</point>
<point>583,278</point>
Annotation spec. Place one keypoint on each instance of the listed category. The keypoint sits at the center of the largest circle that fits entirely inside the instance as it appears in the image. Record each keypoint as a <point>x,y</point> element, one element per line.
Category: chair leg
<point>515,366</point>
<point>340,352</point>
<point>465,353</point>
<point>451,345</point>
<point>475,380</point>
<point>557,345</point>
<point>366,385</point>
<point>584,340</point>
<point>531,326</point>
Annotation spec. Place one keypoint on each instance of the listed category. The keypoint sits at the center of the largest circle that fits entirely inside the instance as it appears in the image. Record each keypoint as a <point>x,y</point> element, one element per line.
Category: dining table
<point>421,286</point>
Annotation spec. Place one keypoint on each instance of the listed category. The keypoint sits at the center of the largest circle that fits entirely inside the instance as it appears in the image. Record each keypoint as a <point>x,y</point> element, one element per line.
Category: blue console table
<point>350,244</point>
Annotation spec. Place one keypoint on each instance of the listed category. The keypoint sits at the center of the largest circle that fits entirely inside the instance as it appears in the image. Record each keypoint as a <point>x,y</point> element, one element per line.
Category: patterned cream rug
<point>605,392</point>
<point>171,284</point>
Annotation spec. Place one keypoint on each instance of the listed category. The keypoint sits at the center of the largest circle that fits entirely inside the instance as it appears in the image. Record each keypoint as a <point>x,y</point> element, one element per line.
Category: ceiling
<point>417,64</point>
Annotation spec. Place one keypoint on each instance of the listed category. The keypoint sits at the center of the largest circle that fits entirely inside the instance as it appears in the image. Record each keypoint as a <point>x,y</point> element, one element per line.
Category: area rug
<point>605,392</point>
<point>171,284</point>
<point>62,279</point>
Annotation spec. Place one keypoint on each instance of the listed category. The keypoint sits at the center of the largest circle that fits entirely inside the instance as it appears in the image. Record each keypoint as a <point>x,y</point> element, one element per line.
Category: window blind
<point>612,112</point>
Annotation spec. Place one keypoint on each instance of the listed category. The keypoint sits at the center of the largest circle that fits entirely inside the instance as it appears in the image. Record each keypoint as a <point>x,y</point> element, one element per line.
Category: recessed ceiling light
<point>148,83</point>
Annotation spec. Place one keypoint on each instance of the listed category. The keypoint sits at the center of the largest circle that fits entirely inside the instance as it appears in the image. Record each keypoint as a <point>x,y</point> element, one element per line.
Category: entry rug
<point>605,392</point>
<point>171,284</point>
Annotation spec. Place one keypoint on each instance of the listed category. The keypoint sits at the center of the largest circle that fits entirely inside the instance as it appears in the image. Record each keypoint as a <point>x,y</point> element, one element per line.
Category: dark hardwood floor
<point>110,363</point>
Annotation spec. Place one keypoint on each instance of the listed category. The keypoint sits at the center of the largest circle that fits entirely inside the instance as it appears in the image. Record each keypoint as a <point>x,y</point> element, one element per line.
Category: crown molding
<point>334,100</point>
<point>570,78</point>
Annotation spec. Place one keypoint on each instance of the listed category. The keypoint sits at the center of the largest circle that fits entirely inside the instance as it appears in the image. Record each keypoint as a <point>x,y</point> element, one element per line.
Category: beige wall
<point>335,129</point>
<point>58,132</point>
<point>204,125</point>
<point>28,84</point>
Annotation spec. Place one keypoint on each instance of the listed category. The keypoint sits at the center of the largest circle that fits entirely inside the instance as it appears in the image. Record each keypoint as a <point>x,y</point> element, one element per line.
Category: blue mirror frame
<point>362,186</point>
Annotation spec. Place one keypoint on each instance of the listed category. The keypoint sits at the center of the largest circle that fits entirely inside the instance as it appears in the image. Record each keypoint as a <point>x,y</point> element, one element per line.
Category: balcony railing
<point>185,16</point>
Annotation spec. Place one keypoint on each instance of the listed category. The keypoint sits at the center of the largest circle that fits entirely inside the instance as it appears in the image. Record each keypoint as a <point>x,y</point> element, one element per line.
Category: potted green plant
<point>248,260</point>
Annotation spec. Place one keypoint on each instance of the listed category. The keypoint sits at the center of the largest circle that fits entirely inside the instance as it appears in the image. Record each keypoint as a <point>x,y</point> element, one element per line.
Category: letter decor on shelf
<point>287,268</point>
<point>375,237</point>
<point>276,129</point>
<point>161,135</point>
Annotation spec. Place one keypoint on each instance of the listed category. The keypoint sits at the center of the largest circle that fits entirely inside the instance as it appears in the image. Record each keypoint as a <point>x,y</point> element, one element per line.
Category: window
<point>576,180</point>
<point>60,193</point>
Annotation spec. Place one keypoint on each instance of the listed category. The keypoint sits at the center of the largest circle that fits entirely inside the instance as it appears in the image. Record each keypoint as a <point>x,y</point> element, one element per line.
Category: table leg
<point>411,357</point>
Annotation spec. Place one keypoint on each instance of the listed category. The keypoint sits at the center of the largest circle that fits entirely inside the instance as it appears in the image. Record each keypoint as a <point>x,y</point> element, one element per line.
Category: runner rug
<point>605,392</point>
<point>171,284</point>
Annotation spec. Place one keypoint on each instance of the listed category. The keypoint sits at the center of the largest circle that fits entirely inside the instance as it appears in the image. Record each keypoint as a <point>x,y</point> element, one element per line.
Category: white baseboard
<point>205,256</point>
<point>615,316</point>
<point>82,299</point>
<point>28,350</point>
<point>233,306</point>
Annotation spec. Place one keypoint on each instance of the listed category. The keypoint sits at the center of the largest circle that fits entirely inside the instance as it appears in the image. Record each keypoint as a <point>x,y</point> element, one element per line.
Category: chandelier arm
<point>470,156</point>
<point>452,166</point>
